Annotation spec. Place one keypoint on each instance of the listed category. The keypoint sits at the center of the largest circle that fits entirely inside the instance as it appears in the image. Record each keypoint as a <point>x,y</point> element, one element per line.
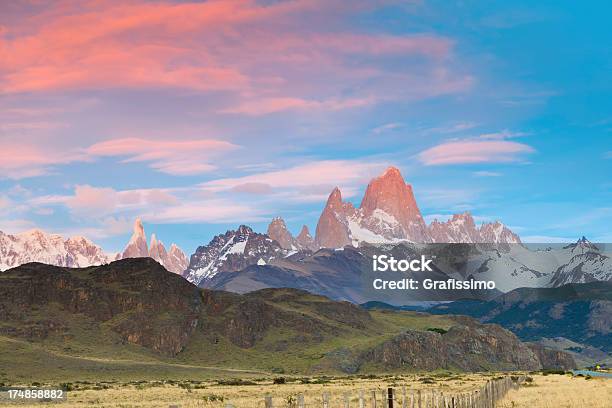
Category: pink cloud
<point>177,157</point>
<point>212,211</point>
<point>93,199</point>
<point>288,55</point>
<point>474,151</point>
<point>319,175</point>
<point>20,160</point>
<point>251,188</point>
<point>271,105</point>
<point>96,202</point>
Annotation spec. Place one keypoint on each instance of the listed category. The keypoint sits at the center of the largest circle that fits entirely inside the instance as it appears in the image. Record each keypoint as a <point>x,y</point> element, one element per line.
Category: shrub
<point>437,330</point>
<point>213,398</point>
<point>67,386</point>
<point>280,380</point>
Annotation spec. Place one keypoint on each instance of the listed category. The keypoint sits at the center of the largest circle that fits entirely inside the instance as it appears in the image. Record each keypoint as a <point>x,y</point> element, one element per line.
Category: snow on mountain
<point>586,264</point>
<point>232,251</point>
<point>53,249</point>
<point>175,261</point>
<point>389,214</point>
<point>512,266</point>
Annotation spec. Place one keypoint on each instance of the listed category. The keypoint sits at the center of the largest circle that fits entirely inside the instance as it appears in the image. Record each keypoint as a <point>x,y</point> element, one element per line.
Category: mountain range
<point>77,252</point>
<point>52,249</point>
<point>346,273</point>
<point>388,213</point>
<point>346,236</point>
<point>135,310</point>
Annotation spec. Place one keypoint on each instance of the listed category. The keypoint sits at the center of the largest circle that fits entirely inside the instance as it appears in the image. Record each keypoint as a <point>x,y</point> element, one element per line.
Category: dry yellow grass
<point>252,396</point>
<point>561,391</point>
<point>552,391</point>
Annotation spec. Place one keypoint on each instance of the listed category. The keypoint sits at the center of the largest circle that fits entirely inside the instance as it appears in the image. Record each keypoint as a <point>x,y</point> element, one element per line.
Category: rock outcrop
<point>552,359</point>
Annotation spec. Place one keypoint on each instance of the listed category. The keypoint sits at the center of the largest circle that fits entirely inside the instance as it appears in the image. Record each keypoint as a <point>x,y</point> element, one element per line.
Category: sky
<point>201,116</point>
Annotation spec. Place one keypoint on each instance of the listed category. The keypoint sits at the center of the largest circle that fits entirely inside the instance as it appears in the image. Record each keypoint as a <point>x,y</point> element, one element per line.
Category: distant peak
<point>391,171</point>
<point>244,230</point>
<point>463,216</point>
<point>278,220</point>
<point>335,197</point>
<point>138,228</point>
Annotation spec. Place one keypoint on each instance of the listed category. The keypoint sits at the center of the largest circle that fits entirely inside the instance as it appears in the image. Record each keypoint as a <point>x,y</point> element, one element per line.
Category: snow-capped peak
<point>39,246</point>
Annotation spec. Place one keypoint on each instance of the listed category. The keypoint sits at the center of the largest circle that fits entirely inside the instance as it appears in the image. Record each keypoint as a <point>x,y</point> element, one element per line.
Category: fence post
<point>326,400</point>
<point>373,398</point>
<point>361,400</point>
<point>346,400</point>
<point>390,397</point>
<point>268,401</point>
<point>404,402</point>
<point>419,397</point>
<point>300,401</point>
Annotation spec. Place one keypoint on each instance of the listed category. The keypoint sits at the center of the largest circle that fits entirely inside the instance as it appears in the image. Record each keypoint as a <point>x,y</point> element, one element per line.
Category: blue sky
<point>198,117</point>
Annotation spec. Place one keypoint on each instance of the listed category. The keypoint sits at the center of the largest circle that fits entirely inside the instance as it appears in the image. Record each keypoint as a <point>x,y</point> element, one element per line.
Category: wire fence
<point>485,396</point>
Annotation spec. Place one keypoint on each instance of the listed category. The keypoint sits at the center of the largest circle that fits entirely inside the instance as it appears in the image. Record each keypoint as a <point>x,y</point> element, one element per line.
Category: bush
<point>213,398</point>
<point>67,386</point>
<point>437,330</point>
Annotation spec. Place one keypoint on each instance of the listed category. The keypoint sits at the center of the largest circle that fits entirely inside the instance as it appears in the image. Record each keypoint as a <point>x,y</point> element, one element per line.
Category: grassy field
<point>246,393</point>
<point>544,391</point>
<point>561,391</point>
